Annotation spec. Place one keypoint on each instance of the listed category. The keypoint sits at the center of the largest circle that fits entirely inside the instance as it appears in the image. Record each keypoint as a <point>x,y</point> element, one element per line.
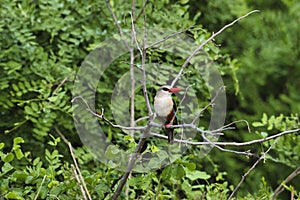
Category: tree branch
<point>280,188</point>
<point>251,168</point>
<point>210,104</point>
<point>141,11</point>
<point>185,64</point>
<point>146,131</point>
<point>81,181</point>
<point>220,143</point>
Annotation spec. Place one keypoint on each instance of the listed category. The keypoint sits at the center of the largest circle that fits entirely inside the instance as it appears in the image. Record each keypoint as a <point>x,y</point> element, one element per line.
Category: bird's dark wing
<point>171,120</point>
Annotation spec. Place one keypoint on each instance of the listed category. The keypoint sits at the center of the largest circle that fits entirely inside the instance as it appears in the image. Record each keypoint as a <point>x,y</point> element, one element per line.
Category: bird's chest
<point>163,106</point>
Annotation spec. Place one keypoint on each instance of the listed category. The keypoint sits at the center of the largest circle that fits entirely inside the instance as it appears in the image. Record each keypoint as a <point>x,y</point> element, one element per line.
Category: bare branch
<point>185,64</point>
<point>280,188</point>
<point>238,121</point>
<point>40,187</point>
<point>144,74</point>
<point>141,11</point>
<point>101,116</point>
<point>141,119</point>
<point>81,180</point>
<point>218,132</point>
<point>132,161</point>
<point>251,168</point>
<point>116,23</point>
<point>132,78</point>
<point>207,142</point>
<point>76,176</point>
<point>192,126</point>
<point>208,105</point>
<point>166,38</point>
<point>61,83</point>
<point>146,131</point>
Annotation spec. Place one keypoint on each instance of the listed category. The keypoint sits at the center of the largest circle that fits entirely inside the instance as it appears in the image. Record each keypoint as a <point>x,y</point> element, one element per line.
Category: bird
<point>165,108</point>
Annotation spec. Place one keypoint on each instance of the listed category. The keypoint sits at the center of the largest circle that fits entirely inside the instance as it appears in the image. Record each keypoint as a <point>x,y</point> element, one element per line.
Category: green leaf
<point>53,99</point>
<point>178,172</point>
<point>112,151</point>
<point>6,168</point>
<point>190,166</point>
<point>166,174</point>
<point>13,195</point>
<point>194,175</point>
<point>19,153</point>
<point>257,124</point>
<point>264,118</point>
<point>18,140</point>
<point>34,106</point>
<point>28,110</point>
<point>8,158</point>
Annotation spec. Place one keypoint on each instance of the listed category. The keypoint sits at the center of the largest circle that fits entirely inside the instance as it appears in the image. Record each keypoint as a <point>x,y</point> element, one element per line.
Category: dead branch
<point>280,188</point>
<point>185,64</point>
<point>80,181</point>
<point>211,103</point>
<point>251,168</point>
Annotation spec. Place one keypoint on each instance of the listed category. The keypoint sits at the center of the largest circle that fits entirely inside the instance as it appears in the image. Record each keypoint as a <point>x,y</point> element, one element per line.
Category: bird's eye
<point>165,89</point>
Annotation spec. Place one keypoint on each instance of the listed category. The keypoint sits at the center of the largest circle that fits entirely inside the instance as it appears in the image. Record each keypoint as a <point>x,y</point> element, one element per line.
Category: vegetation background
<point>42,45</point>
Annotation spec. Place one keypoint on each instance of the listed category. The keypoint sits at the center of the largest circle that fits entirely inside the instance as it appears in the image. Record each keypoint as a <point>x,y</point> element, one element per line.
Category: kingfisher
<point>165,108</point>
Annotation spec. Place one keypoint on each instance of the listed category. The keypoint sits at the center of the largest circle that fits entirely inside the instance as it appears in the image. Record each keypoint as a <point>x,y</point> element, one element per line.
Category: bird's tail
<point>170,135</point>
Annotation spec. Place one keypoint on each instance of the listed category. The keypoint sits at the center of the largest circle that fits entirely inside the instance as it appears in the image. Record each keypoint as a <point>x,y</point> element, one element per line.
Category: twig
<point>141,119</point>
<point>208,142</point>
<point>117,24</point>
<point>101,116</point>
<point>150,113</point>
<point>280,188</point>
<point>208,105</point>
<point>40,187</point>
<point>61,83</point>
<point>141,11</point>
<point>191,126</point>
<point>205,42</point>
<point>142,140</point>
<point>247,153</point>
<point>166,38</point>
<point>235,122</point>
<point>251,168</point>
<point>75,174</point>
<point>222,143</point>
<point>75,162</point>
<point>132,78</point>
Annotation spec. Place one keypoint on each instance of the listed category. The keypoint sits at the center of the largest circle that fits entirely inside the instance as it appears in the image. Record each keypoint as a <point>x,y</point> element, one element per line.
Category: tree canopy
<point>99,64</point>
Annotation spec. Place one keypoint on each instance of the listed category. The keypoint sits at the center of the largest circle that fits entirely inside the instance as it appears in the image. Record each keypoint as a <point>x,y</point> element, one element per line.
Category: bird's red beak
<point>175,90</point>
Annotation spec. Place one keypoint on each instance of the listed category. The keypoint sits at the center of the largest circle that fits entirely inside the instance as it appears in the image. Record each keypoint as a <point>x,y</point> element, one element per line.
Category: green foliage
<point>286,146</point>
<point>42,45</point>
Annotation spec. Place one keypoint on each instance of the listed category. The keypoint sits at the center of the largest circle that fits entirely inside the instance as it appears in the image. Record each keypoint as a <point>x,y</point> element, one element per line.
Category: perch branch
<point>232,143</point>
